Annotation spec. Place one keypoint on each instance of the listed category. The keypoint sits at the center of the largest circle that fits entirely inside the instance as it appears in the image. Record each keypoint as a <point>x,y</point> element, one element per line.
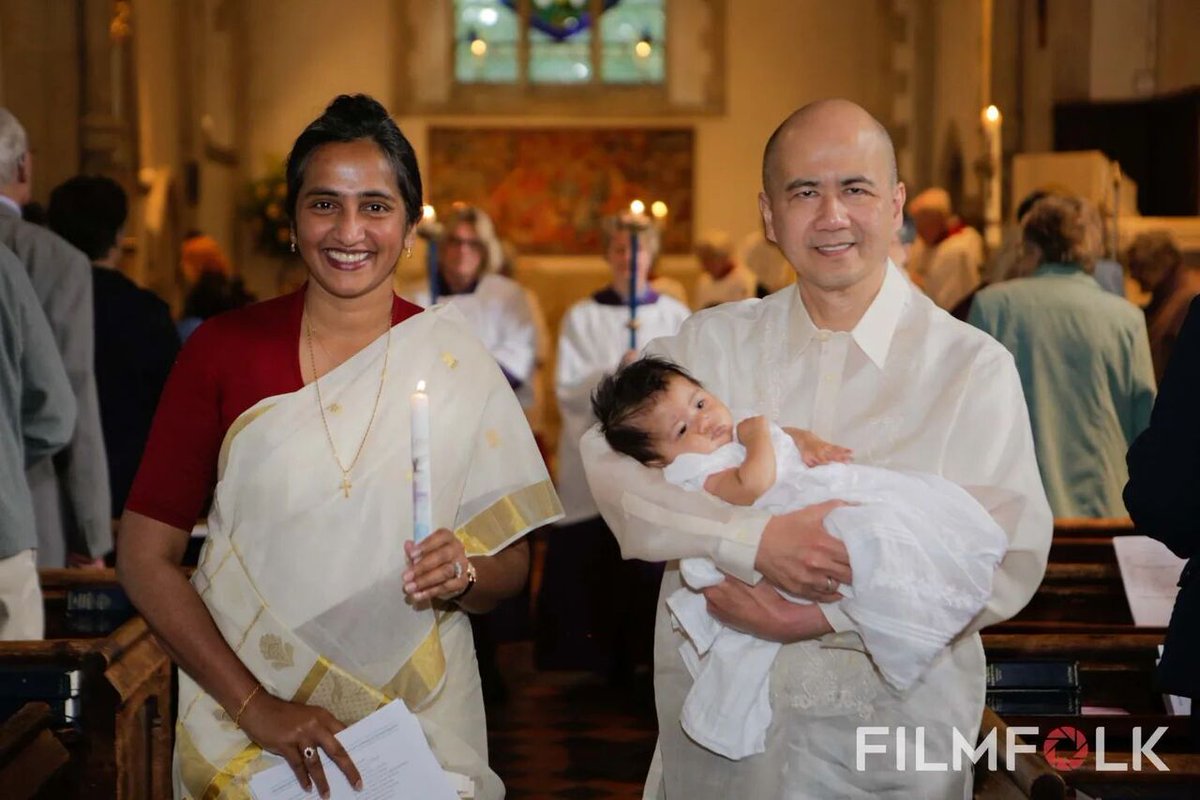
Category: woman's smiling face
<point>350,218</point>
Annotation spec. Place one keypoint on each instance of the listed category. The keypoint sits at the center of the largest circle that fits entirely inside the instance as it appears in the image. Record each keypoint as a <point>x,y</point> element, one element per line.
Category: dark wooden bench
<point>120,745</point>
<point>1080,614</point>
<point>32,757</point>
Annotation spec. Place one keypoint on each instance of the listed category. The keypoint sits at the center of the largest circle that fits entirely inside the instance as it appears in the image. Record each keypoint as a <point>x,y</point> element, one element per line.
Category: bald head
<point>833,117</point>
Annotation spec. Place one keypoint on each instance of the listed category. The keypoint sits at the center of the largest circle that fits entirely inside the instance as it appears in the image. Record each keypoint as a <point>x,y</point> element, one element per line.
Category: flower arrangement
<point>265,209</point>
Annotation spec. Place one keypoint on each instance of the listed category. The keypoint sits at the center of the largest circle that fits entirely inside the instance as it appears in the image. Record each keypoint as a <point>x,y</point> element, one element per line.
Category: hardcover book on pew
<point>1034,701</point>
<point>1032,675</point>
<point>97,610</point>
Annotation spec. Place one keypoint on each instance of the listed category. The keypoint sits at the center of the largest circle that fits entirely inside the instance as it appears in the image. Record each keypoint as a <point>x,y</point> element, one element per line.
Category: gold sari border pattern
<point>232,770</point>
<point>422,674</point>
<point>494,527</point>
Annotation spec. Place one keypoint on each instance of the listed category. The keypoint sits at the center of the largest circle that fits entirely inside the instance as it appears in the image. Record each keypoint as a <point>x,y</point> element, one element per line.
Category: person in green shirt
<point>1083,356</point>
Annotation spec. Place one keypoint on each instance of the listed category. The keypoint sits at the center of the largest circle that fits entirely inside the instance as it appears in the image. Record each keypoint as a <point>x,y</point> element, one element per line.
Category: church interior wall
<point>225,86</point>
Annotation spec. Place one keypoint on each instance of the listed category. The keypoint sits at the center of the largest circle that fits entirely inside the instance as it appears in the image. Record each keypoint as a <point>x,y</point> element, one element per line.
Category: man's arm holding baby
<point>760,611</point>
<point>656,521</point>
<point>750,480</point>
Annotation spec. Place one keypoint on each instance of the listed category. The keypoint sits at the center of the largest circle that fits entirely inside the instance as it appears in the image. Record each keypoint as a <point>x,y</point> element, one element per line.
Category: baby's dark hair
<point>625,394</point>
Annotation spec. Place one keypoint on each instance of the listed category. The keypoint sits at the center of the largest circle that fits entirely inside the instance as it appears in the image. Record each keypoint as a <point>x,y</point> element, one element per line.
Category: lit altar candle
<point>638,208</point>
<point>991,120</point>
<point>422,485</point>
<point>658,210</point>
<point>429,223</point>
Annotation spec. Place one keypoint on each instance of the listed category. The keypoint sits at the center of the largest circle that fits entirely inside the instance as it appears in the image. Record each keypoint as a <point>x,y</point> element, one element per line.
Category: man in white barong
<point>859,357</point>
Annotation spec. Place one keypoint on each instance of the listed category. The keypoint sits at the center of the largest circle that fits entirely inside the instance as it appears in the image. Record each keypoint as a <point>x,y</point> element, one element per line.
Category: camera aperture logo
<point>1065,748</point>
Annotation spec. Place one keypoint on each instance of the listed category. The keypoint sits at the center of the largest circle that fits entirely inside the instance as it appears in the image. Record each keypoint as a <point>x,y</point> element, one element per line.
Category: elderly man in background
<point>860,358</point>
<point>722,279</point>
<point>946,260</point>
<point>37,416</point>
<point>70,491</point>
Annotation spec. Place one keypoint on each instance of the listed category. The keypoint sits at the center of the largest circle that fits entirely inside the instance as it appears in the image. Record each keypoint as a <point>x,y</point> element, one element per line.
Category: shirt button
<point>823,336</point>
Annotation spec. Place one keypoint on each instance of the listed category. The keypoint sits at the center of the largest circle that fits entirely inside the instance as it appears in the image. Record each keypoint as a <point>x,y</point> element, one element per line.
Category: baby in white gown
<point>922,551</point>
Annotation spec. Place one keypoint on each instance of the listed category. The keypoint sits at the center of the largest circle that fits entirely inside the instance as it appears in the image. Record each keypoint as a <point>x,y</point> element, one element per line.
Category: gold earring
<point>293,245</point>
<point>408,252</point>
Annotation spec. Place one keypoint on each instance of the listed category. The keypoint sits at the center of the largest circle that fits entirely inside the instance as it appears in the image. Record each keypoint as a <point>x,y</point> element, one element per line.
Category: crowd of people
<point>1006,388</point>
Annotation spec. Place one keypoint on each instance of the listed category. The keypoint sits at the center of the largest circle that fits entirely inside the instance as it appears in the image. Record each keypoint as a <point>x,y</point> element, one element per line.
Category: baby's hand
<point>753,426</point>
<point>815,451</point>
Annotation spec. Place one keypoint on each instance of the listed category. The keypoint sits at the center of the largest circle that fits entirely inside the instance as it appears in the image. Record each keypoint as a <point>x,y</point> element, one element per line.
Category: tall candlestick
<point>633,288</point>
<point>991,120</point>
<point>637,221</point>
<point>422,484</point>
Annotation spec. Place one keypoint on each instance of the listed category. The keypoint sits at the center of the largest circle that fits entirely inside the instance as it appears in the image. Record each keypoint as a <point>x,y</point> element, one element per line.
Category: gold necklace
<point>312,362</point>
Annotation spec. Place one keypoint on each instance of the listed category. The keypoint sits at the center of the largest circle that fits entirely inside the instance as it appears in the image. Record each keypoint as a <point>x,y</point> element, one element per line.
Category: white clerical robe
<point>951,269</point>
<point>499,314</point>
<point>592,338</point>
<point>909,388</point>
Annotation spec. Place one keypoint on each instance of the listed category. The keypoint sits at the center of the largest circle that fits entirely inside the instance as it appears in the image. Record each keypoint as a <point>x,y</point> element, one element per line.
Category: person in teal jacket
<point>1083,356</point>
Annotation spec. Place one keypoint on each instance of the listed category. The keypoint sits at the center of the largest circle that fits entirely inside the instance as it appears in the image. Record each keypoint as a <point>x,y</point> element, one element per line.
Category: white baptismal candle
<point>422,488</point>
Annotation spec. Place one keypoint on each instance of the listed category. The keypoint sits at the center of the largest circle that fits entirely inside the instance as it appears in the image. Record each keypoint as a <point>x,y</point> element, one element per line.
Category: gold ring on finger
<point>458,569</point>
<point>829,584</point>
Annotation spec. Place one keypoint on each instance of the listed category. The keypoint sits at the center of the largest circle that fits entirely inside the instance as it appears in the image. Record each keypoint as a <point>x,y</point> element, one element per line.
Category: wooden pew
<point>32,758</point>
<point>1080,614</point>
<point>120,747</point>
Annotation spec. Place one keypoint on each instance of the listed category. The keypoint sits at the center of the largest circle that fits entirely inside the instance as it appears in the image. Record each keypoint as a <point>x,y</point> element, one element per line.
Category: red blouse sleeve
<point>179,464</point>
<point>208,388</point>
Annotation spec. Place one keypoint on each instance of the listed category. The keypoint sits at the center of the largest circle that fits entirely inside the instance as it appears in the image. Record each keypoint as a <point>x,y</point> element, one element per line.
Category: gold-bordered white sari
<point>305,583</point>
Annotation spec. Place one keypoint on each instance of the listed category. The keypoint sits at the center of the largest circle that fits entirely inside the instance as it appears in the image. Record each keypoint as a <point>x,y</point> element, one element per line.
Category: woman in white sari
<point>311,607</point>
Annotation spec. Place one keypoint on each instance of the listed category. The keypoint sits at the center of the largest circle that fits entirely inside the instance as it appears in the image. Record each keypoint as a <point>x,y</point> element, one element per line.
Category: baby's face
<point>687,419</point>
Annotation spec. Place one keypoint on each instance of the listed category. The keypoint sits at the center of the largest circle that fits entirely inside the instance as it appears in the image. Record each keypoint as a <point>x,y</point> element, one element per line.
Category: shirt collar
<point>873,333</point>
<point>8,205</point>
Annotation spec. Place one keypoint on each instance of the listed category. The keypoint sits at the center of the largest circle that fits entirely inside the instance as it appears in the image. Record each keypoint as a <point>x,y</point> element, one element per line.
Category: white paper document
<point>391,754</point>
<point>1150,573</point>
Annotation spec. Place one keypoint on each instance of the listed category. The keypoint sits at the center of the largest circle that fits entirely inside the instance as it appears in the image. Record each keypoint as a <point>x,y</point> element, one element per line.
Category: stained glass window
<point>487,42</point>
<point>552,41</point>
<point>633,33</point>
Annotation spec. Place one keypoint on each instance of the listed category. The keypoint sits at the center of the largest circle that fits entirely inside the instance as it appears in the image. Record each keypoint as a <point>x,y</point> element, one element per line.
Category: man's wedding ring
<point>309,753</point>
<point>457,570</point>
<point>829,584</point>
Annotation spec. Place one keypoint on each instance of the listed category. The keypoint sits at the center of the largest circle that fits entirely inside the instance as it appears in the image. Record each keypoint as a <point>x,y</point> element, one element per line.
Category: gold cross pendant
<point>346,485</point>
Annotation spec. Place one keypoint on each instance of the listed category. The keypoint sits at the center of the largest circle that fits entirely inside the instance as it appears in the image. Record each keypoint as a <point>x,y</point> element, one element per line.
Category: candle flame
<point>637,207</point>
<point>659,209</point>
<point>991,114</point>
<point>428,214</point>
<point>420,386</point>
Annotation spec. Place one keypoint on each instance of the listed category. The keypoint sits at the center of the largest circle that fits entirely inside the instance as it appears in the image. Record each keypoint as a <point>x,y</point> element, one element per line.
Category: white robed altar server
<point>497,308</point>
<point>580,626</point>
<point>856,355</point>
